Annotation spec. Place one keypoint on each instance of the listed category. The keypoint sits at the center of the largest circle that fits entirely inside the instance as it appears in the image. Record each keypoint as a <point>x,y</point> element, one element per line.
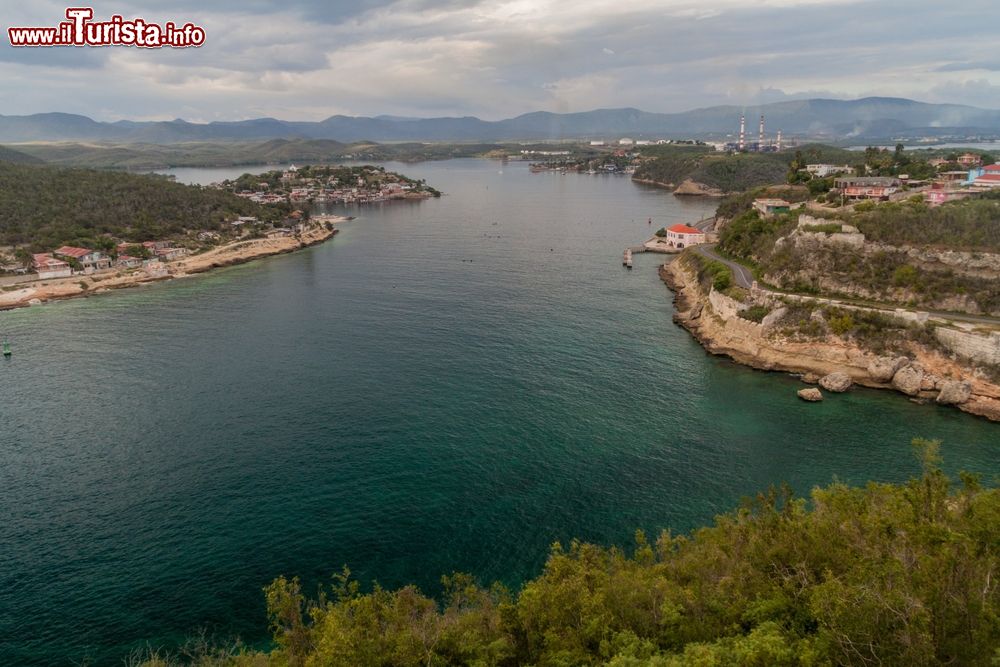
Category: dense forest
<point>44,207</point>
<point>881,575</point>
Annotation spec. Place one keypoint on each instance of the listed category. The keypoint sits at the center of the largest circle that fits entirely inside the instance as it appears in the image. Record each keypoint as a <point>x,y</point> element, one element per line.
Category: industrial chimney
<point>779,141</point>
<point>760,135</point>
<point>743,132</point>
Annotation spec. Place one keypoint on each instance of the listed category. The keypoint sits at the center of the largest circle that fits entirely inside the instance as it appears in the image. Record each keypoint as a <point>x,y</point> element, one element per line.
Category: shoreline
<point>39,292</point>
<point>744,343</point>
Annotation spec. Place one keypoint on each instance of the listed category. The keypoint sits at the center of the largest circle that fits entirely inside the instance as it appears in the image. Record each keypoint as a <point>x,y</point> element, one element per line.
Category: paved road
<point>744,278</point>
<point>741,273</point>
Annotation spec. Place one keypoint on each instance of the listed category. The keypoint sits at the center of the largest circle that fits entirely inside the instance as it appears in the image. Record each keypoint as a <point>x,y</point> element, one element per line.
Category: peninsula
<point>76,232</point>
<point>885,281</point>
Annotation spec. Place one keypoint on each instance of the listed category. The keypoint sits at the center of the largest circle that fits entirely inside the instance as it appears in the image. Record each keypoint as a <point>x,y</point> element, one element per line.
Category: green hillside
<point>729,173</point>
<point>17,157</point>
<point>45,207</point>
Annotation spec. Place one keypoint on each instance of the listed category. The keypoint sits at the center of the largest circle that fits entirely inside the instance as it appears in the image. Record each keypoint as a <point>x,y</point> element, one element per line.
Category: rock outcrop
<point>811,394</point>
<point>954,392</point>
<point>908,379</point>
<point>881,369</point>
<point>692,188</point>
<point>837,382</point>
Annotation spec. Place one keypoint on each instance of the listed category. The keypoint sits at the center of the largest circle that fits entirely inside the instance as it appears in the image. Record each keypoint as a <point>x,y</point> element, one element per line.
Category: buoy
<point>6,348</point>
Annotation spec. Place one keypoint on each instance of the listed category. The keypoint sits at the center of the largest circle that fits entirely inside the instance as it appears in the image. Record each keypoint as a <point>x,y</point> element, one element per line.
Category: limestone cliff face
<point>926,374</point>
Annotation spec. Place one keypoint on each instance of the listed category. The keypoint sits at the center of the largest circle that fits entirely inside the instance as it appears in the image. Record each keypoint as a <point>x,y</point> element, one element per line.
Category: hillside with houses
<point>59,223</point>
<point>327,184</point>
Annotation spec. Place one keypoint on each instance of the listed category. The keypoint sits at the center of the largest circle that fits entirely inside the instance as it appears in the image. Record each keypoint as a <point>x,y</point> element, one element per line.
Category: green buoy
<point>6,348</point>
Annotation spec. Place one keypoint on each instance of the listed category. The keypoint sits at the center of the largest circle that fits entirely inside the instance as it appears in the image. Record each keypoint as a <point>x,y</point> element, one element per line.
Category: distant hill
<point>868,117</point>
<point>17,157</point>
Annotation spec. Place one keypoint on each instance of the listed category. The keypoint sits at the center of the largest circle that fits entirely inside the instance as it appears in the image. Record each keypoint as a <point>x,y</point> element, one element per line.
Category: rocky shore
<point>687,188</point>
<point>923,375</point>
<point>239,252</point>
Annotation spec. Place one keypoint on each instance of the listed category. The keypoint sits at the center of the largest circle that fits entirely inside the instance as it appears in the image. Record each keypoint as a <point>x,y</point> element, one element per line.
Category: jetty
<point>627,255</point>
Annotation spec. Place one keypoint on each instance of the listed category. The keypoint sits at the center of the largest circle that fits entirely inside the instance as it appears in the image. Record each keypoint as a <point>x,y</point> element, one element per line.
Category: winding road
<point>741,273</point>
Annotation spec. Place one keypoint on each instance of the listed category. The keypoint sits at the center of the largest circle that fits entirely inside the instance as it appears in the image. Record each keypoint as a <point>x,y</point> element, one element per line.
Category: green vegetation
<point>735,204</point>
<point>755,313</point>
<point>45,207</point>
<point>885,574</point>
<point>729,173</point>
<point>711,272</point>
<point>751,237</point>
<point>970,224</point>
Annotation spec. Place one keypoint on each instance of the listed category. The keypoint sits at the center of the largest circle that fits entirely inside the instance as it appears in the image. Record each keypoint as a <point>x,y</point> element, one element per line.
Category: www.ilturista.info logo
<point>80,30</point>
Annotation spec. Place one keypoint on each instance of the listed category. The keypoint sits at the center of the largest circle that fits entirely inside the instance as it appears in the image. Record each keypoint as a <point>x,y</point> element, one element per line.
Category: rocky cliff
<point>923,374</point>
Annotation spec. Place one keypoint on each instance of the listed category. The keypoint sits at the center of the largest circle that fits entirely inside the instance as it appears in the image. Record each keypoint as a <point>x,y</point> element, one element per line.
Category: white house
<point>90,260</point>
<point>682,236</point>
<point>625,141</point>
<point>824,170</point>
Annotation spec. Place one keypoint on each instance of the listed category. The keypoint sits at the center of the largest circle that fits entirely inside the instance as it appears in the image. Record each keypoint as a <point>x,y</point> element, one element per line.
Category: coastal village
<point>328,185</point>
<point>73,269</point>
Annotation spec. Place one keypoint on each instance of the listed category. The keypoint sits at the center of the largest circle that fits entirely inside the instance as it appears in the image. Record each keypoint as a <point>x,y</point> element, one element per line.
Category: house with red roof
<point>128,262</point>
<point>682,236</point>
<point>988,181</point>
<point>49,267</point>
<point>90,260</point>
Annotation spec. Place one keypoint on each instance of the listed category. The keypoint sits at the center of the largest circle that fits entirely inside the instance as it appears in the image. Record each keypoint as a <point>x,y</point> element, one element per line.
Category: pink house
<point>48,266</point>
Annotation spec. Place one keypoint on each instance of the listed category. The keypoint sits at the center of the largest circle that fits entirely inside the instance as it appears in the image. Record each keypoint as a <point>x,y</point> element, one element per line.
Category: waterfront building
<point>90,260</point>
<point>128,262</point>
<point>49,267</point>
<point>682,236</point>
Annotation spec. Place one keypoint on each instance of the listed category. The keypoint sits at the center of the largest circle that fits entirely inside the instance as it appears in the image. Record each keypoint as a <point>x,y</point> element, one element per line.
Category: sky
<point>310,59</point>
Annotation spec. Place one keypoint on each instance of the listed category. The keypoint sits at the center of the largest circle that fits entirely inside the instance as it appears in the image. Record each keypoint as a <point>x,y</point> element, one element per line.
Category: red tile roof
<point>989,177</point>
<point>71,251</point>
<point>44,259</point>
<point>684,229</point>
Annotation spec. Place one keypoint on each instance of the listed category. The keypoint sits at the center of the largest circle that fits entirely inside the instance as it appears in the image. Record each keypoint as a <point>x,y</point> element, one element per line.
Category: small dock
<point>627,255</point>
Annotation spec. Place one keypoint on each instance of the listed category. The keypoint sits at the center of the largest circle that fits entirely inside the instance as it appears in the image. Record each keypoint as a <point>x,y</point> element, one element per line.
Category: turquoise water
<point>447,385</point>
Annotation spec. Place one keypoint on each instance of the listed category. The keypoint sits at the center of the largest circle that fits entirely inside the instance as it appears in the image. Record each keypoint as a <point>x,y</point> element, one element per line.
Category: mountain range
<point>833,119</point>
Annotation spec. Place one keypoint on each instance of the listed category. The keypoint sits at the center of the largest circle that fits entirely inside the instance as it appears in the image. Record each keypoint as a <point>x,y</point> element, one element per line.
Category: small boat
<point>6,348</point>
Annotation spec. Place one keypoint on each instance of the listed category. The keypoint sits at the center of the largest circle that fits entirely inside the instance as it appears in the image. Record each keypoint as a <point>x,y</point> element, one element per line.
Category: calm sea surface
<point>447,385</point>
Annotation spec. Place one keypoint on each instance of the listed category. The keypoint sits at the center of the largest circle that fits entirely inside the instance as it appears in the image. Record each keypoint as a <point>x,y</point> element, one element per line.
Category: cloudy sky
<point>309,59</point>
